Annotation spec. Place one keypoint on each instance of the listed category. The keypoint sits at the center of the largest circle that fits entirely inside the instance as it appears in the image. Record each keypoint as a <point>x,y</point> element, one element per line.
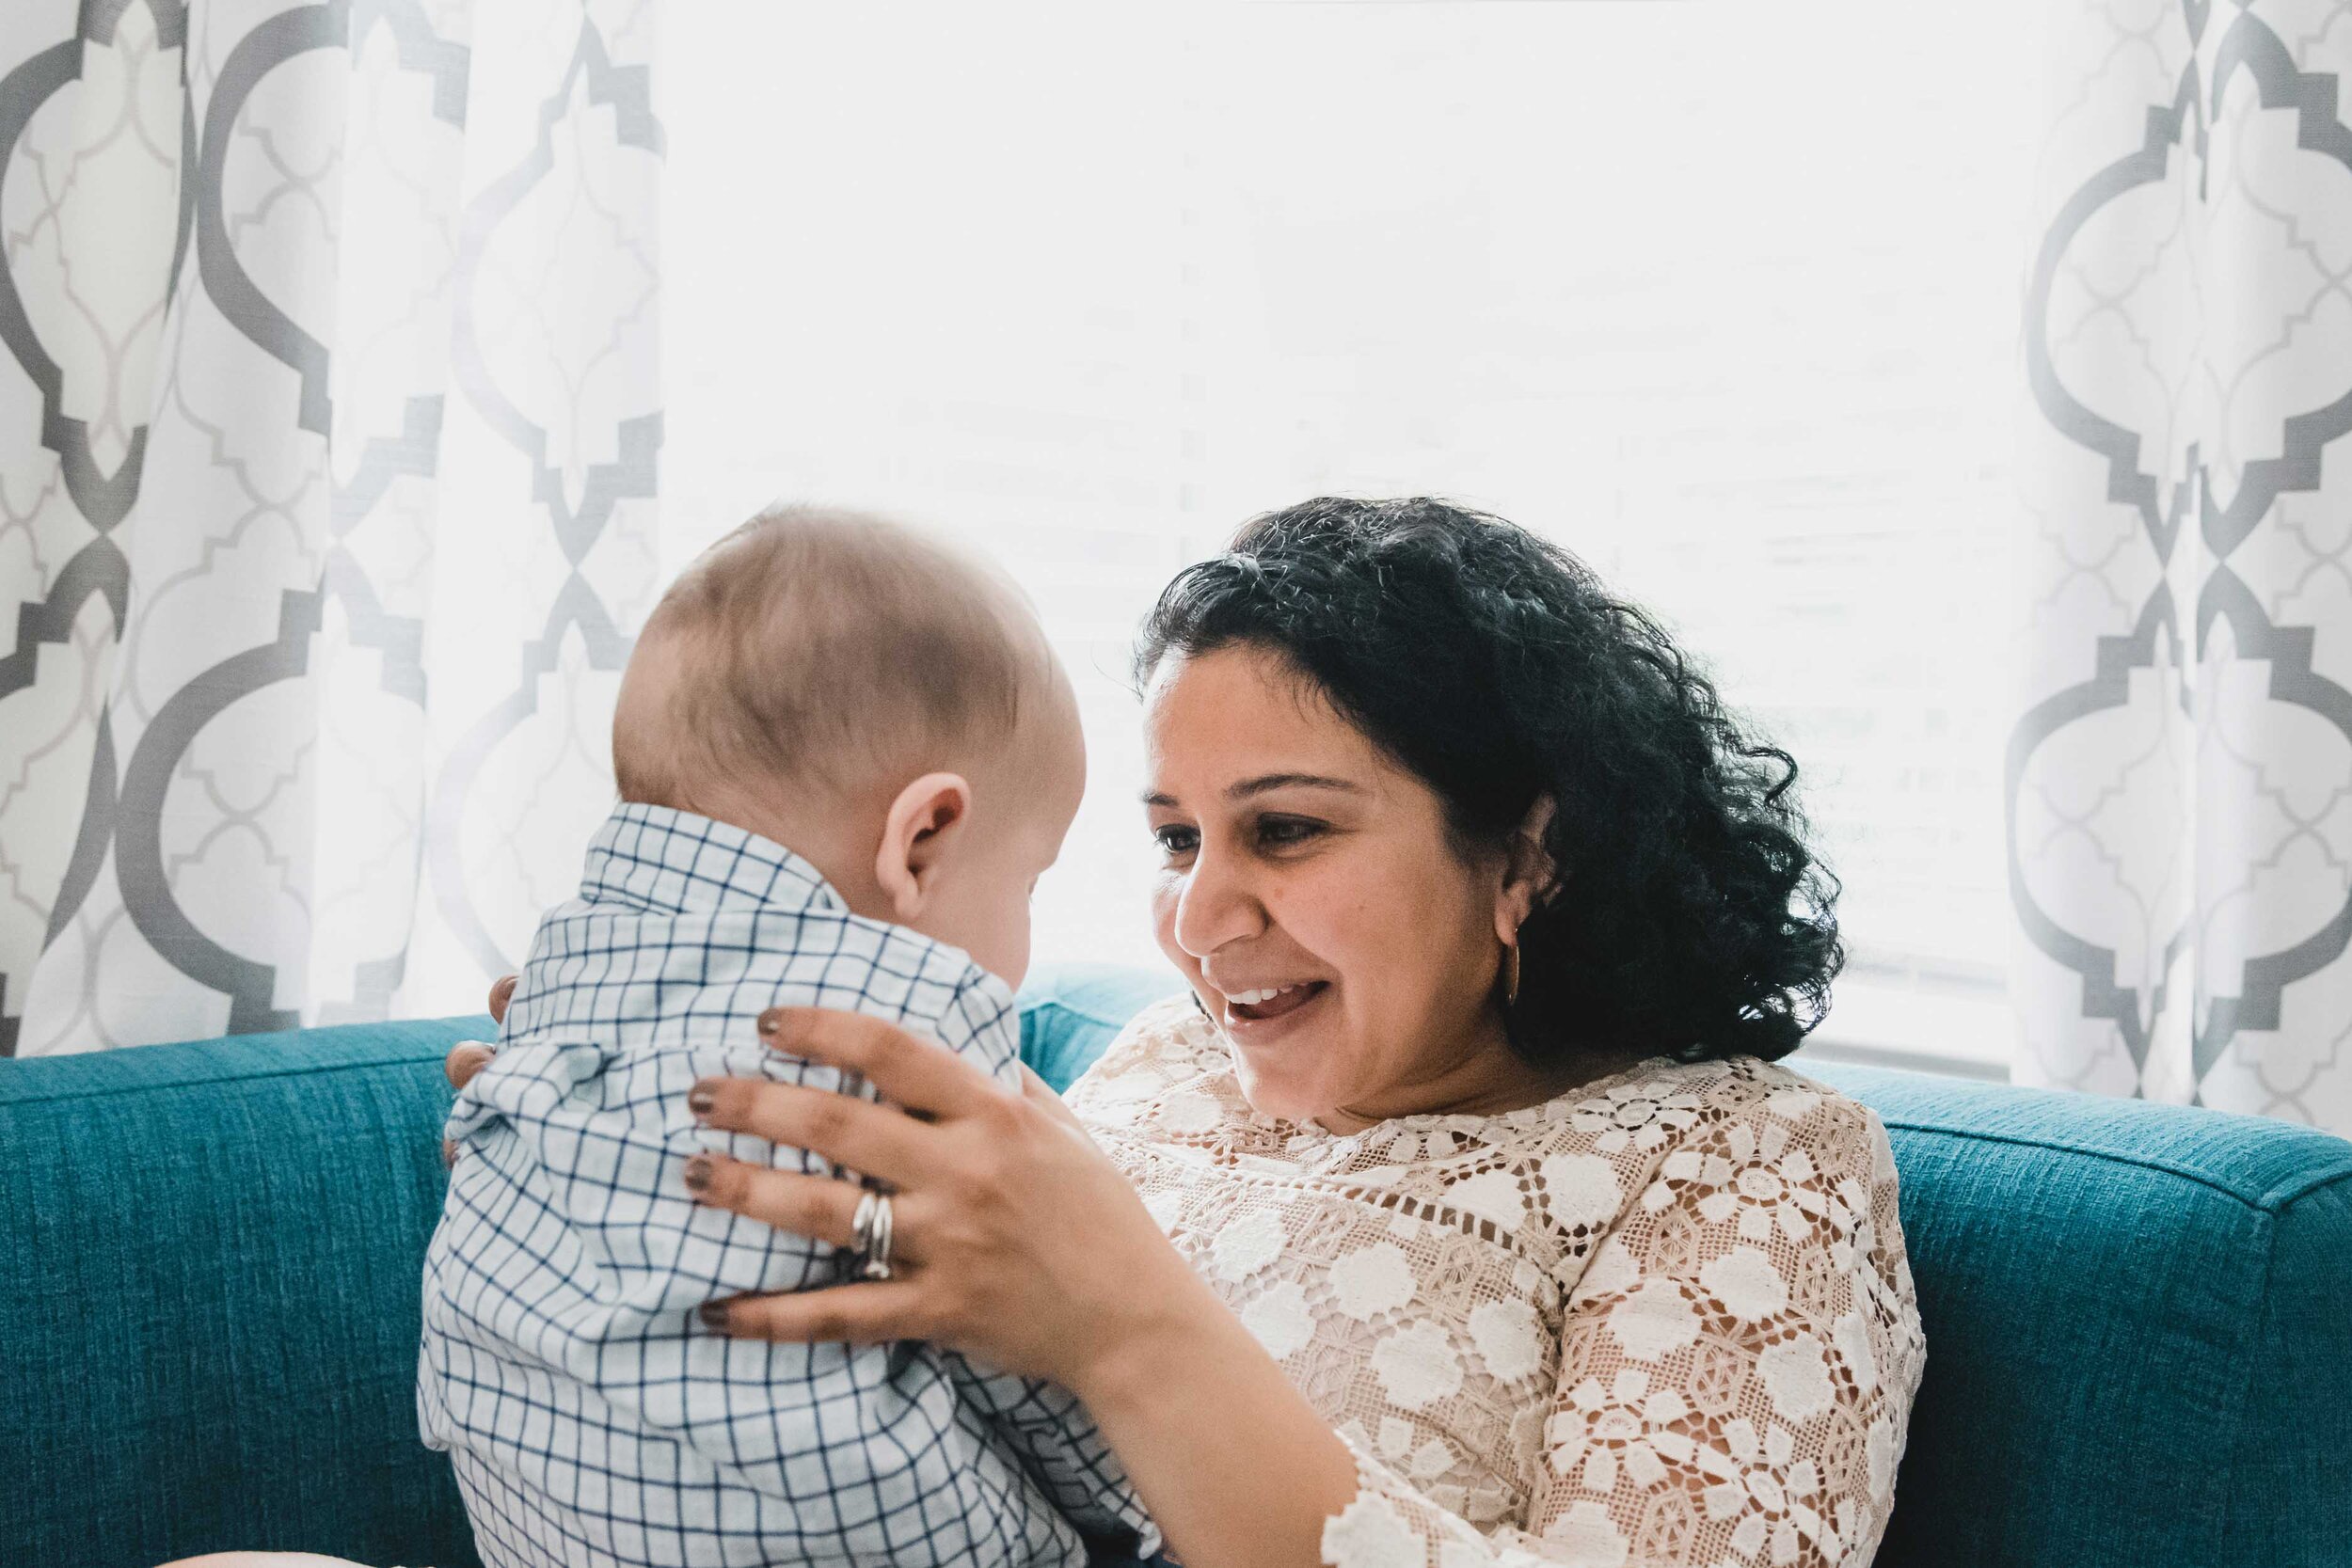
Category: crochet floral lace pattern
<point>1664,1318</point>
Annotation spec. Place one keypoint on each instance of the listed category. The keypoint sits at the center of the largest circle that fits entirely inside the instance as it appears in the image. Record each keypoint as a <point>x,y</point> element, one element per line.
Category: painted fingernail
<point>698,1173</point>
<point>715,1313</point>
<point>701,1098</point>
<point>771,1021</point>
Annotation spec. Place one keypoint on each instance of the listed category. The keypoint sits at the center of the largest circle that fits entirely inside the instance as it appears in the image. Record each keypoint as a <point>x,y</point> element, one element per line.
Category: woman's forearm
<point>1235,1465</point>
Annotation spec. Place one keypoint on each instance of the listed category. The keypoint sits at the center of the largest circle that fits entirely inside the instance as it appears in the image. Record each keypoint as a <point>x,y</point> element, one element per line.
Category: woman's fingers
<point>465,1059</point>
<point>876,1140</point>
<point>910,1072</point>
<point>502,992</point>
<point>819,1207</point>
<point>870,1313</point>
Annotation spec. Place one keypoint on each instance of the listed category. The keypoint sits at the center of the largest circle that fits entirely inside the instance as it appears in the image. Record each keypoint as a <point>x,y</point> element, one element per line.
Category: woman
<point>1460,1216</point>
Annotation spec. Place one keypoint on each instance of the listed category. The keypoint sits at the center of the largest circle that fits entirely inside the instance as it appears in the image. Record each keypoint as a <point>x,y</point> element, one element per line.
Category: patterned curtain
<point>2180,780</point>
<point>328,419</point>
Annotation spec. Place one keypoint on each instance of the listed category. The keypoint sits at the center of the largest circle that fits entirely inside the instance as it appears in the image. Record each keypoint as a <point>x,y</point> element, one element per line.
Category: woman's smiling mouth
<point>1265,1004</point>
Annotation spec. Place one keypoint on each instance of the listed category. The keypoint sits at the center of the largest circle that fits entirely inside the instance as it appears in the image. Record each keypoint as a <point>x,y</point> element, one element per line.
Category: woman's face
<point>1310,892</point>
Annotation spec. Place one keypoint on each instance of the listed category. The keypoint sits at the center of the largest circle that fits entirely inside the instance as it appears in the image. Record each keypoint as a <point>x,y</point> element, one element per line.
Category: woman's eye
<point>1282,831</point>
<point>1177,841</point>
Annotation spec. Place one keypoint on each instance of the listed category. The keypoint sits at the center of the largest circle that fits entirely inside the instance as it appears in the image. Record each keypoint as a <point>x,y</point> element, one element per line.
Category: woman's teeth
<point>1268,1003</point>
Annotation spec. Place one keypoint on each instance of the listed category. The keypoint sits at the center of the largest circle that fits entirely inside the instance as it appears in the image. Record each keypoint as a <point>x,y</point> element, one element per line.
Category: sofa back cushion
<point>2138,1323</point>
<point>210,1299</point>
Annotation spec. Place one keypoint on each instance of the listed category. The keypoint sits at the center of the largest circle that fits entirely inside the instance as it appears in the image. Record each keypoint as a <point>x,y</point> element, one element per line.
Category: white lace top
<point>1665,1317</point>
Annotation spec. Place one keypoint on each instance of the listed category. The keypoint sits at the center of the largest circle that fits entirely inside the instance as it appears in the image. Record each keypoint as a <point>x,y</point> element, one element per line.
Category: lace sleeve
<point>1736,1374</point>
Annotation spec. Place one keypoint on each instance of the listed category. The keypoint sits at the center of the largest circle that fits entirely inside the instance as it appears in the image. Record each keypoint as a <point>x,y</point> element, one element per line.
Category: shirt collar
<point>662,859</point>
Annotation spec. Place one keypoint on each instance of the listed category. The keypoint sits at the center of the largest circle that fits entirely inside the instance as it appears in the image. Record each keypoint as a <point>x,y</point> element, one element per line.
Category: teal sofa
<point>2139,1317</point>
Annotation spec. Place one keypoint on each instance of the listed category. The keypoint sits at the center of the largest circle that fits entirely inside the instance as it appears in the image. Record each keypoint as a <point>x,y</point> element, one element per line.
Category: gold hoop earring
<point>1510,975</point>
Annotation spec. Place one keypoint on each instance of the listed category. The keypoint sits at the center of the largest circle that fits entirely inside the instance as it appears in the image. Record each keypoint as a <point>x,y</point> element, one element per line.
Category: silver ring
<point>869,1228</point>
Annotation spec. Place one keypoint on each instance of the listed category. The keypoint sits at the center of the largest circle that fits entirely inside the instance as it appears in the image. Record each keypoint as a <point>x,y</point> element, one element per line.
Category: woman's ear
<point>924,824</point>
<point>1528,872</point>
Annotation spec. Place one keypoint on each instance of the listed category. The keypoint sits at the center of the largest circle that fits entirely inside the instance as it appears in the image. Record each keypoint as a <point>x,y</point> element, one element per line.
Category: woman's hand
<point>1014,1238</point>
<point>467,1057</point>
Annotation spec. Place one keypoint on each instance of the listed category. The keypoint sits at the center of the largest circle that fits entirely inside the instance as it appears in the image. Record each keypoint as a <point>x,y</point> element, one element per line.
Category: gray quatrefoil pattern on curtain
<point>329,421</point>
<point>2180,778</point>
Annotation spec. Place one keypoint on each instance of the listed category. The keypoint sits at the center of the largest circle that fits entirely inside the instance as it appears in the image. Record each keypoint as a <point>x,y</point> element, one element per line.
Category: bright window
<point>1721,297</point>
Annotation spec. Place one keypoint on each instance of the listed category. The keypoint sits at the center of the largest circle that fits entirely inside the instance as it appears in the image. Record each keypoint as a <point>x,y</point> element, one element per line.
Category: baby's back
<point>591,1418</point>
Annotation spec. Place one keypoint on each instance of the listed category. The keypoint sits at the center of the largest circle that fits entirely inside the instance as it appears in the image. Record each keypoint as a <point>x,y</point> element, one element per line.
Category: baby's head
<point>875,702</point>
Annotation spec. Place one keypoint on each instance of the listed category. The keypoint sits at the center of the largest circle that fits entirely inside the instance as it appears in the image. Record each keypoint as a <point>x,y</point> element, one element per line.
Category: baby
<point>844,755</point>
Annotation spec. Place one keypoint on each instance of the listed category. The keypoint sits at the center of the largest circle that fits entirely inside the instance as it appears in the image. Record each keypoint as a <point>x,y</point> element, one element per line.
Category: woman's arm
<point>1233,1463</point>
<point>1024,1247</point>
<point>1239,1470</point>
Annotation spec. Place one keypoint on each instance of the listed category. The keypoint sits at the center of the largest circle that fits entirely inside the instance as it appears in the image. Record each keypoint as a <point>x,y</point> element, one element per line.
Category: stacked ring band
<point>869,1228</point>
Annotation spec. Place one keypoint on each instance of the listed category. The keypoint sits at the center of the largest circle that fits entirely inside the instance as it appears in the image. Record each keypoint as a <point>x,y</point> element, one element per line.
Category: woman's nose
<point>1216,906</point>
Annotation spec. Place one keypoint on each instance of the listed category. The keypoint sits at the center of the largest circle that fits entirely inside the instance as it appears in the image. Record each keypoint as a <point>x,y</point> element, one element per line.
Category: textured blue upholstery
<point>2139,1329</point>
<point>1069,1012</point>
<point>2139,1317</point>
<point>209,1300</point>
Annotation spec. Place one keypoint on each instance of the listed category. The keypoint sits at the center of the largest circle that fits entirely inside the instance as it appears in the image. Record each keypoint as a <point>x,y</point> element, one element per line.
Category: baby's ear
<point>924,823</point>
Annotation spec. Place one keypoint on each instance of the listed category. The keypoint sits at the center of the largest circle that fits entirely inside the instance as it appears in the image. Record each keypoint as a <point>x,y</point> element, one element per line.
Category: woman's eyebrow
<point>1266,782</point>
<point>1260,784</point>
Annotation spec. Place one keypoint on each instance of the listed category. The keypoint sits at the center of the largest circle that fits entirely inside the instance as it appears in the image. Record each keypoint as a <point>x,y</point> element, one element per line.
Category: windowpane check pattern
<point>591,1419</point>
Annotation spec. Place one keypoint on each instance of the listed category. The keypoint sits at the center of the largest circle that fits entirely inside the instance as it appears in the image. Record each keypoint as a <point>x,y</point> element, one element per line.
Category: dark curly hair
<point>1686,914</point>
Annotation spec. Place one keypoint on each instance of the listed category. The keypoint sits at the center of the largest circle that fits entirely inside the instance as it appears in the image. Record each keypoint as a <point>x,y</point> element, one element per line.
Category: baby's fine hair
<point>822,647</point>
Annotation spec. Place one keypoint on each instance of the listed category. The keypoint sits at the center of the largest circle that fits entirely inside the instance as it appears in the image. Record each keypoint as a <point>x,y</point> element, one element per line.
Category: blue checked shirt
<point>591,1418</point>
